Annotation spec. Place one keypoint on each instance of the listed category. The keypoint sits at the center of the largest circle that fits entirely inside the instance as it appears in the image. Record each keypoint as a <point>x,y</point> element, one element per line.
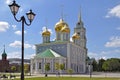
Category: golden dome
<point>46,32</point>
<point>59,25</point>
<point>75,36</point>
<point>65,29</point>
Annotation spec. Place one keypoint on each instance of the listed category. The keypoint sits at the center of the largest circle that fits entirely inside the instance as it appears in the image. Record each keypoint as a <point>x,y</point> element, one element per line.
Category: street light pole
<point>14,9</point>
<point>90,70</point>
<point>91,67</point>
<point>22,49</point>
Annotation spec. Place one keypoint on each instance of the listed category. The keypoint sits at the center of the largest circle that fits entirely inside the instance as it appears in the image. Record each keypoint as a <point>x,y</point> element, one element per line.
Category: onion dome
<point>46,32</point>
<point>75,36</point>
<point>59,25</point>
<point>65,29</point>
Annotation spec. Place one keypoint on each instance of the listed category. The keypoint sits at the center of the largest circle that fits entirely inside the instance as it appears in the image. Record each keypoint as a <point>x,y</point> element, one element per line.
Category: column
<point>31,66</point>
<point>36,67</point>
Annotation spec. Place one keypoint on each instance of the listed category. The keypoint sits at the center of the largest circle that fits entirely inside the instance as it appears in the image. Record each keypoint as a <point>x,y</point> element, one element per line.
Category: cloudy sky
<point>101,19</point>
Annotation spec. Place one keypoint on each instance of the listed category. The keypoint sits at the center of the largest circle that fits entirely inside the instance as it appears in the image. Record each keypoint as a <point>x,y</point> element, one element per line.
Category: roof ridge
<point>55,53</point>
<point>48,53</point>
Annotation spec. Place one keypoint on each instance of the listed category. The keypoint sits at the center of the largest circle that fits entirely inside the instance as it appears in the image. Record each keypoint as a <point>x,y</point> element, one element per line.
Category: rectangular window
<point>39,65</point>
<point>64,66</point>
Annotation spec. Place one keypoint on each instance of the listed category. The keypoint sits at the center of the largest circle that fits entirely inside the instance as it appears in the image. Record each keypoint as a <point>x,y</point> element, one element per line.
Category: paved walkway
<point>94,74</point>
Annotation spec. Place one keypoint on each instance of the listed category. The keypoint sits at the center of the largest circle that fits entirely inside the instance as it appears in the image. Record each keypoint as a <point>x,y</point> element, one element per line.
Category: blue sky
<point>101,19</point>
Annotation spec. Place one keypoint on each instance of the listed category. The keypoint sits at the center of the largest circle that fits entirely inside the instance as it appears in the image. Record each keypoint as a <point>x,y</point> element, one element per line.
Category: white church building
<point>71,54</point>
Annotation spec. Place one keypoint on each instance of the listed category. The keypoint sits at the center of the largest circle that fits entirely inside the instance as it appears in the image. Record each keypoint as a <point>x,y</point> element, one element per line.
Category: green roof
<point>48,53</point>
<point>4,53</point>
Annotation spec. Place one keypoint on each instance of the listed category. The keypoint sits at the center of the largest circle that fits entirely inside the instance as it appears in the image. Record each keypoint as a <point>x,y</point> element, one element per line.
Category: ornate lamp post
<point>30,15</point>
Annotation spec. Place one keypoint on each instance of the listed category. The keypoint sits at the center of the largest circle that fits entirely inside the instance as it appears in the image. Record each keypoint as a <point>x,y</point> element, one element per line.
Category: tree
<point>26,68</point>
<point>47,67</point>
<point>119,65</point>
<point>13,68</point>
<point>112,64</point>
<point>100,63</point>
<point>95,65</point>
<point>105,66</point>
<point>57,67</point>
<point>70,71</point>
<point>62,66</point>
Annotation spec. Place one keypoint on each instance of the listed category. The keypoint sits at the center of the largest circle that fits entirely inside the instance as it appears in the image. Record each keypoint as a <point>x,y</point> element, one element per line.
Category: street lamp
<point>90,66</point>
<point>30,15</point>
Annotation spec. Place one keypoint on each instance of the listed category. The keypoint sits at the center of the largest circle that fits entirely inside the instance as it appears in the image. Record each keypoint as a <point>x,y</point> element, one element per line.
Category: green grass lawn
<point>69,78</point>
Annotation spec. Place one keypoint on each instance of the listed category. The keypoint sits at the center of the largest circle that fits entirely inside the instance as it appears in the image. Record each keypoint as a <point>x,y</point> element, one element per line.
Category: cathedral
<point>61,54</point>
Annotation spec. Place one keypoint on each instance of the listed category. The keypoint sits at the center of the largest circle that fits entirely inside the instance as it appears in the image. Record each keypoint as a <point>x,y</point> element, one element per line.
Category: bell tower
<point>4,55</point>
<point>81,31</point>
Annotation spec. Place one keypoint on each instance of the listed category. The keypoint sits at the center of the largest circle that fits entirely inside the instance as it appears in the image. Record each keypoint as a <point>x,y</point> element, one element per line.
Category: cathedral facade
<point>61,54</point>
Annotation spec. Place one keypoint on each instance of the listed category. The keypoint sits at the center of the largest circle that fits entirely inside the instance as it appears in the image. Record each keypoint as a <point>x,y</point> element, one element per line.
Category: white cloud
<point>4,26</point>
<point>0,57</point>
<point>25,32</point>
<point>53,39</point>
<point>30,56</point>
<point>71,39</point>
<point>44,28</point>
<point>97,56</point>
<point>103,57</point>
<point>92,55</point>
<point>19,32</point>
<point>114,12</point>
<point>14,27</point>
<point>105,54</point>
<point>33,47</point>
<point>114,42</point>
<point>115,51</point>
<point>8,1</point>
<point>50,30</point>
<point>15,54</point>
<point>21,10</point>
<point>118,28</point>
<point>17,44</point>
<point>27,45</point>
